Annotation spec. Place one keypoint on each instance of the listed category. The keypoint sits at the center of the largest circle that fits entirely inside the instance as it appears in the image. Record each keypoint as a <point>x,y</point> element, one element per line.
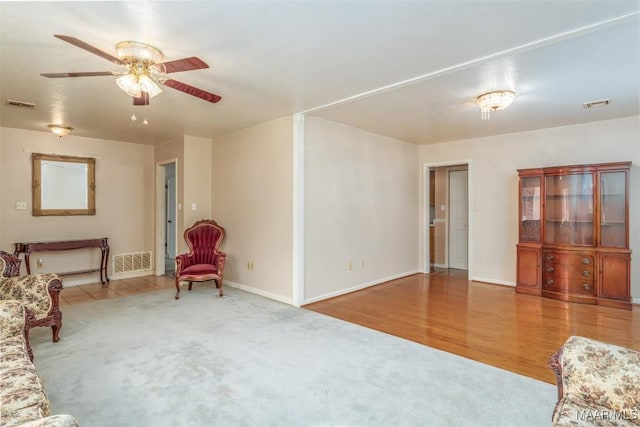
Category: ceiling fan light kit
<point>143,74</point>
<point>494,101</point>
<point>60,130</point>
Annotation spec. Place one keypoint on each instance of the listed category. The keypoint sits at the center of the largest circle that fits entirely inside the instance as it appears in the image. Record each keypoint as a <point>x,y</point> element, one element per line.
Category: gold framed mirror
<point>63,185</point>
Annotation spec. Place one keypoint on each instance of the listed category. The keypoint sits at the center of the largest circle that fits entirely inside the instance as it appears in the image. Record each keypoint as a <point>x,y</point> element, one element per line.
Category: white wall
<point>361,204</point>
<point>197,180</point>
<point>252,198</point>
<point>494,182</point>
<point>124,199</point>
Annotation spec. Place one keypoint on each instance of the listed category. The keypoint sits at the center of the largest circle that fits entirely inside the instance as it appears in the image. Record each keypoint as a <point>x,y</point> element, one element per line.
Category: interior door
<point>458,219</point>
<point>170,230</point>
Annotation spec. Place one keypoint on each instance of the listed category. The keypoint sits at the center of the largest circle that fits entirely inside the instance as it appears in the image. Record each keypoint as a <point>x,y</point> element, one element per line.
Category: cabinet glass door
<point>530,209</point>
<point>613,214</point>
<point>569,209</point>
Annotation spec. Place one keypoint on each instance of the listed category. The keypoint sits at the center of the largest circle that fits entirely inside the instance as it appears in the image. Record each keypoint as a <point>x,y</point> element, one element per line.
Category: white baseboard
<point>440,265</point>
<point>358,287</point>
<point>70,281</point>
<point>635,301</point>
<point>493,281</point>
<point>257,291</point>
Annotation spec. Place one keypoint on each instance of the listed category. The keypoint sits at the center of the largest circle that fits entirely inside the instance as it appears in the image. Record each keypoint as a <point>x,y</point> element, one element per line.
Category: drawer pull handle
<point>586,286</point>
<point>549,282</point>
<point>549,269</point>
<point>586,260</point>
<point>549,257</point>
<point>586,273</point>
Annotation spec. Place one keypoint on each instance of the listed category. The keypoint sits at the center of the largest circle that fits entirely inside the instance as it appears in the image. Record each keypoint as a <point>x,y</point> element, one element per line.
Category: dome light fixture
<point>60,130</point>
<point>494,101</point>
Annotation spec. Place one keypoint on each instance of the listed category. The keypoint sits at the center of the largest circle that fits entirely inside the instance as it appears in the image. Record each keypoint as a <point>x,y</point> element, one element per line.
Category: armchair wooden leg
<point>55,331</point>
<point>219,286</point>
<point>177,289</point>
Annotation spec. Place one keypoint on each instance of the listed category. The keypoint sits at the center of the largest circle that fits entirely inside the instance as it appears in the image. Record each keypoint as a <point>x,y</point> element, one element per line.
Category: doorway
<point>170,219</point>
<point>448,217</point>
<point>166,217</point>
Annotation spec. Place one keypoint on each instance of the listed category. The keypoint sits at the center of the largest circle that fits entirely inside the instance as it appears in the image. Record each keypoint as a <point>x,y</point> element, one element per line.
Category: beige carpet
<point>243,360</point>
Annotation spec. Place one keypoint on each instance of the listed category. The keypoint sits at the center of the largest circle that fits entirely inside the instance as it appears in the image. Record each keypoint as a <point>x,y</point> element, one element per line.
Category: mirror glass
<point>63,185</point>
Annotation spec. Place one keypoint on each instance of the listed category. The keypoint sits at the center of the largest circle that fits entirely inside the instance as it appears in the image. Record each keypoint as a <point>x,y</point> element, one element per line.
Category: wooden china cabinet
<point>574,233</point>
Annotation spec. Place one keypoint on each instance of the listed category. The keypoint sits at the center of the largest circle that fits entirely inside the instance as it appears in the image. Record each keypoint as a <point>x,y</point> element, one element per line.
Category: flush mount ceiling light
<point>60,130</point>
<point>144,69</point>
<point>494,101</point>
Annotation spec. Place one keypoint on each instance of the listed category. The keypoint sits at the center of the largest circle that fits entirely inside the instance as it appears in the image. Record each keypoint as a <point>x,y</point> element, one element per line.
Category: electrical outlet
<point>21,206</point>
<point>350,266</point>
<point>251,266</point>
<point>40,262</point>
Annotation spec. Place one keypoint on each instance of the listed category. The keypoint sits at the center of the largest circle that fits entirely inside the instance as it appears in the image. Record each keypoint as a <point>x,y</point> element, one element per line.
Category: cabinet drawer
<point>568,258</point>
<point>568,271</point>
<point>572,286</point>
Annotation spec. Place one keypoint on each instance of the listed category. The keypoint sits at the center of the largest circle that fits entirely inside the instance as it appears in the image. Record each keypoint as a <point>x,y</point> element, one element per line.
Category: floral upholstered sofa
<point>23,401</point>
<point>39,292</point>
<point>598,384</point>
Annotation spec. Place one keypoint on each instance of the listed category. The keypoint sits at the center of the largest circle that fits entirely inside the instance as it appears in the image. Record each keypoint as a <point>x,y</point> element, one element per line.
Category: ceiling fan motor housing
<point>133,52</point>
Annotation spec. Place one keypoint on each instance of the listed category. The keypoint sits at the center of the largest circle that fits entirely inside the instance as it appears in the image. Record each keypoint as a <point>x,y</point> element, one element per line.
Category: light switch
<point>194,206</point>
<point>21,206</point>
<point>442,207</point>
<point>179,206</point>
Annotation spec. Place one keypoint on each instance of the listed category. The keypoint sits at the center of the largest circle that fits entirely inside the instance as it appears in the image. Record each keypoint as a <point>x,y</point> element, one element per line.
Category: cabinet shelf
<point>559,221</point>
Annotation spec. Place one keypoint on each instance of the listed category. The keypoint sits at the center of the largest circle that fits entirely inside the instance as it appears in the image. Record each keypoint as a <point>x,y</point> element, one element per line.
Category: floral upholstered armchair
<point>598,384</point>
<point>23,400</point>
<point>40,293</point>
<point>204,261</point>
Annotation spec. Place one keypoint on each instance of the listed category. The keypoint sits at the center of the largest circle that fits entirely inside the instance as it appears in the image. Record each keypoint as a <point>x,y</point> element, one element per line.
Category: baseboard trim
<point>492,281</point>
<point>635,301</point>
<point>68,281</point>
<point>261,292</point>
<point>361,286</point>
<point>440,265</point>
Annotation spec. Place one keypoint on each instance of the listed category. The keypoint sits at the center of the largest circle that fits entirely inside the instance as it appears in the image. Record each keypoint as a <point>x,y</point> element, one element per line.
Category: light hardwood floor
<point>488,323</point>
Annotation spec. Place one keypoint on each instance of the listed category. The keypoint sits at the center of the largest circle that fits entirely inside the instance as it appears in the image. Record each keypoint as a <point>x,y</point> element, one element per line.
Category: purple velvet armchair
<point>204,261</point>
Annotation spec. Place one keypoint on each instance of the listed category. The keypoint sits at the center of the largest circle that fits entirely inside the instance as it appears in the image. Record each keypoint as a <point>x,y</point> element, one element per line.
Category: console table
<point>64,245</point>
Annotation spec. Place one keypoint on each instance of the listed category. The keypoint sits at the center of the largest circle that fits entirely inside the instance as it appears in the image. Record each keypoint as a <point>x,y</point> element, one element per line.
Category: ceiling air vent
<point>21,104</point>
<point>593,104</point>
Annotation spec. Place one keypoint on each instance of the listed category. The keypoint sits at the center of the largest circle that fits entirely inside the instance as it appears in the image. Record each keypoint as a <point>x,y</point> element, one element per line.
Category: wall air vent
<point>593,104</point>
<point>21,104</point>
<point>135,261</point>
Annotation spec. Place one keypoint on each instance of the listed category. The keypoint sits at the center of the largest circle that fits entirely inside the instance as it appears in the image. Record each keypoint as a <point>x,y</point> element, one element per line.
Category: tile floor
<point>114,289</point>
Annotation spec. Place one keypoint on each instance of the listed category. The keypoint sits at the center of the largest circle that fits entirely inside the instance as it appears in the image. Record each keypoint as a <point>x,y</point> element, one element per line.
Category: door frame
<point>161,207</point>
<point>425,218</point>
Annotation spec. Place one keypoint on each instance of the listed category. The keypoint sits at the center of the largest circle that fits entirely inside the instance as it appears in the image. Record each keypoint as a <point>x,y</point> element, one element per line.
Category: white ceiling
<point>406,69</point>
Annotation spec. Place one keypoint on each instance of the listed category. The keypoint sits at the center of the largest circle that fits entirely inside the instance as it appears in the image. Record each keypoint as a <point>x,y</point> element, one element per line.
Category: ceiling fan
<point>145,71</point>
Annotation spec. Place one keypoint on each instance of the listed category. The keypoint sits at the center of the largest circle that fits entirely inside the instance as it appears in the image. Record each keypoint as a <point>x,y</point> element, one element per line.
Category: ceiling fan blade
<point>82,45</point>
<point>143,99</point>
<point>182,87</point>
<point>86,74</point>
<point>185,64</point>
